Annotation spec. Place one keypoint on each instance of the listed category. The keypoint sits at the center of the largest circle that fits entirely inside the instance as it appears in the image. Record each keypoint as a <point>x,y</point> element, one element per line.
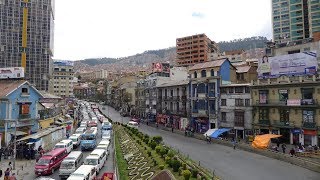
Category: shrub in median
<point>194,173</point>
<point>158,148</point>
<point>157,139</point>
<point>168,160</point>
<point>149,153</point>
<point>186,174</point>
<point>161,167</point>
<point>175,165</point>
<point>152,144</point>
<point>163,151</point>
<point>184,165</point>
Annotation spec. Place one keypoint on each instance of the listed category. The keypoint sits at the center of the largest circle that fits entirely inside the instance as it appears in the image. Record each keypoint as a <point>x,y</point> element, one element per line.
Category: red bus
<point>50,161</point>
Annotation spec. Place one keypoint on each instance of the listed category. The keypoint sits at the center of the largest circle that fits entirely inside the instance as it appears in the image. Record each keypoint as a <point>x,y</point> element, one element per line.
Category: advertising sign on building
<point>161,67</point>
<point>292,64</point>
<point>12,73</point>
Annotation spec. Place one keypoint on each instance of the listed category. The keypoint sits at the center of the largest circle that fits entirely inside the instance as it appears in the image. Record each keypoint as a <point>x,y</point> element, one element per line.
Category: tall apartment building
<point>63,79</point>
<point>194,49</point>
<point>295,19</point>
<point>26,40</point>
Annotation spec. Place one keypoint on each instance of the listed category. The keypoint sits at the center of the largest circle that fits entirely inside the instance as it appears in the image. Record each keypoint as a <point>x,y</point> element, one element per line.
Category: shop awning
<point>19,133</point>
<point>209,132</point>
<point>263,141</point>
<point>218,132</point>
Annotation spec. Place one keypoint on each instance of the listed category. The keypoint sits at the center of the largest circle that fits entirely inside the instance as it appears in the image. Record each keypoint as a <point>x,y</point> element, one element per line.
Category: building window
<point>212,72</point>
<point>283,95</point>
<point>178,93</point>
<point>202,105</point>
<point>223,102</point>
<point>24,109</point>
<point>223,90</point>
<point>284,115</point>
<point>247,102</point>
<point>263,114</point>
<point>211,89</point>
<point>246,89</point>
<point>171,93</point>
<point>308,116</point>
<point>239,118</point>
<point>307,93</point>
<point>201,88</point>
<point>203,73</point>
<point>195,74</point>
<point>240,76</point>
<point>212,107</point>
<point>231,90</point>
<point>24,91</point>
<point>239,89</point>
<point>263,97</point>
<point>239,102</point>
<point>223,116</point>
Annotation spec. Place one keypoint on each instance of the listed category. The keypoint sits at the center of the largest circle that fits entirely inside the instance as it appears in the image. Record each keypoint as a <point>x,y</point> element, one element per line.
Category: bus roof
<point>74,155</point>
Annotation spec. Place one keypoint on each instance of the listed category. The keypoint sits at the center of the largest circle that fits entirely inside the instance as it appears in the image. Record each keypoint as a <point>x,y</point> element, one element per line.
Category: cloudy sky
<point>119,28</point>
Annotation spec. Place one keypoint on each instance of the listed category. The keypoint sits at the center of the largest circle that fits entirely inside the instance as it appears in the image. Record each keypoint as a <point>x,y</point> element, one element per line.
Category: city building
<point>101,74</point>
<point>27,40</point>
<point>288,106</point>
<point>206,79</point>
<point>236,110</point>
<point>18,109</point>
<point>235,55</point>
<point>61,83</point>
<point>294,19</point>
<point>194,49</point>
<point>141,99</point>
<point>172,104</point>
<point>84,90</point>
<point>285,98</point>
<point>93,75</point>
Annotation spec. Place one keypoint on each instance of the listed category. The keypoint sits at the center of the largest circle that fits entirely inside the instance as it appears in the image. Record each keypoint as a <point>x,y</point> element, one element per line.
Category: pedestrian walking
<point>234,144</point>
<point>172,129</point>
<point>0,154</point>
<point>0,173</point>
<point>284,147</point>
<point>7,174</point>
<point>292,152</point>
<point>10,166</point>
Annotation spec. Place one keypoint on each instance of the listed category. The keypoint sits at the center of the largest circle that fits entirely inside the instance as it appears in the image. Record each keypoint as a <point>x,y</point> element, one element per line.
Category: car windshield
<point>74,139</point>
<point>67,165</point>
<point>59,146</point>
<point>91,161</point>
<point>87,138</point>
<point>43,161</point>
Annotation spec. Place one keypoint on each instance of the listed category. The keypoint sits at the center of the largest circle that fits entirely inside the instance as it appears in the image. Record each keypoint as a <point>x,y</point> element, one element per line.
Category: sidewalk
<point>23,167</point>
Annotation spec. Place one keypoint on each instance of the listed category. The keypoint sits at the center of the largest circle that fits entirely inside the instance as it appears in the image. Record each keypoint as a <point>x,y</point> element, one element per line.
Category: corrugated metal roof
<point>243,69</point>
<point>8,86</point>
<point>173,83</point>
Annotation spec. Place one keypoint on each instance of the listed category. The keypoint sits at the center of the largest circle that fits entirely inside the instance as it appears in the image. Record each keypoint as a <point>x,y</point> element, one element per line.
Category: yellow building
<point>288,105</point>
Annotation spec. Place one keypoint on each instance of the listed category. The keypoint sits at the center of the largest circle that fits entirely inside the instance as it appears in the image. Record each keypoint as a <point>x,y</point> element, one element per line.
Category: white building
<point>61,84</point>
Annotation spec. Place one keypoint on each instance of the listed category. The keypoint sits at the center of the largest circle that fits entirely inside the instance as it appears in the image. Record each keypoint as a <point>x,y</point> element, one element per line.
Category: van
<point>50,161</point>
<point>97,158</point>
<point>84,172</point>
<point>104,142</point>
<point>106,135</point>
<point>80,130</point>
<point>133,124</point>
<point>67,143</point>
<point>72,162</point>
<point>75,138</point>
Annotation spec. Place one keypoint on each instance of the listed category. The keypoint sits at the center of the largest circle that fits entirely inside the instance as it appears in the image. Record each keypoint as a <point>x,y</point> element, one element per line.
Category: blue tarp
<point>218,132</point>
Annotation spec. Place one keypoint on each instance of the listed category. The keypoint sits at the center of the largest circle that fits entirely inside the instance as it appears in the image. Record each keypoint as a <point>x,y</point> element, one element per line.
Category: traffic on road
<point>84,154</point>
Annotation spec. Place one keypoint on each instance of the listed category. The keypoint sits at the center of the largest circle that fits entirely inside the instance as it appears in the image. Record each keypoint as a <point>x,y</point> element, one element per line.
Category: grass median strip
<point>122,163</point>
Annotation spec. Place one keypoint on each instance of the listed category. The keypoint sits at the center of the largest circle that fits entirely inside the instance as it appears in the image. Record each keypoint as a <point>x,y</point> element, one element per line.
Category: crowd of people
<point>298,148</point>
<point>8,174</point>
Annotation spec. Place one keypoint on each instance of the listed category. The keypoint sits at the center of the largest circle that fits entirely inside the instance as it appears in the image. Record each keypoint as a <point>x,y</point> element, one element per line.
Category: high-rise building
<point>26,38</point>
<point>194,49</point>
<point>295,19</point>
<point>63,78</point>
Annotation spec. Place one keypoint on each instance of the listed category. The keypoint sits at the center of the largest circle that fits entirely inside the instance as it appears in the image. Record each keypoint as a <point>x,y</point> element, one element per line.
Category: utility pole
<point>15,144</point>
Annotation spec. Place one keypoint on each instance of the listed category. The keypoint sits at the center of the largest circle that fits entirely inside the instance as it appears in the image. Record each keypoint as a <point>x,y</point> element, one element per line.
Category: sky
<point>120,28</point>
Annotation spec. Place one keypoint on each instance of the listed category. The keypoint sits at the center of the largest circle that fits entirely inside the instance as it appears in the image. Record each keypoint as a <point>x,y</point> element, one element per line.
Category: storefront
<point>162,119</point>
<point>310,137</point>
<point>295,136</point>
<point>200,125</point>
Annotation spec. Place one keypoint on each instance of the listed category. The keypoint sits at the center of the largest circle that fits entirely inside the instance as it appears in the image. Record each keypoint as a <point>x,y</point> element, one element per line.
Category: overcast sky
<point>119,28</point>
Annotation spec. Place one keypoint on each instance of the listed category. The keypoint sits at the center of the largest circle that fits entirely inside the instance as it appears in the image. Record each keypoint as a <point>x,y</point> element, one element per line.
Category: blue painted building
<point>18,103</point>
<point>206,79</point>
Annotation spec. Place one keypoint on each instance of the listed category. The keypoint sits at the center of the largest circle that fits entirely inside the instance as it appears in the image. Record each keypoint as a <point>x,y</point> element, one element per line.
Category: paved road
<point>228,163</point>
<point>108,167</point>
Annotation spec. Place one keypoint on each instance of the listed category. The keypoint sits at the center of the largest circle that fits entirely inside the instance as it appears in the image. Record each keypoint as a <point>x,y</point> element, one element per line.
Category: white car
<point>106,135</point>
<point>67,143</point>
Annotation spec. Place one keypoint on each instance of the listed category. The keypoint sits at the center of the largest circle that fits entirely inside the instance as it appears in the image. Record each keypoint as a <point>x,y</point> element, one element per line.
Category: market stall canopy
<point>209,132</point>
<point>218,132</point>
<point>263,141</point>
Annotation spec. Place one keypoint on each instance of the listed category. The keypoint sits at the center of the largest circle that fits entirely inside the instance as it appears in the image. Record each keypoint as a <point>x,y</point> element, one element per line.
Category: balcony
<point>288,102</point>
<point>183,97</point>
<point>283,124</point>
<point>309,125</point>
<point>264,122</point>
<point>24,116</point>
<point>239,123</point>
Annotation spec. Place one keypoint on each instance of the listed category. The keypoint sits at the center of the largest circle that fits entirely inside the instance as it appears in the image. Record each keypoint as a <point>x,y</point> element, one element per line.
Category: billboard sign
<point>12,73</point>
<point>63,63</point>
<point>161,67</point>
<point>292,64</point>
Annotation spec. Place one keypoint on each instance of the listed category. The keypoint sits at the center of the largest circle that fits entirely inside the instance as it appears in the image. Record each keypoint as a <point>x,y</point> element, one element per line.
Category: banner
<point>291,64</point>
